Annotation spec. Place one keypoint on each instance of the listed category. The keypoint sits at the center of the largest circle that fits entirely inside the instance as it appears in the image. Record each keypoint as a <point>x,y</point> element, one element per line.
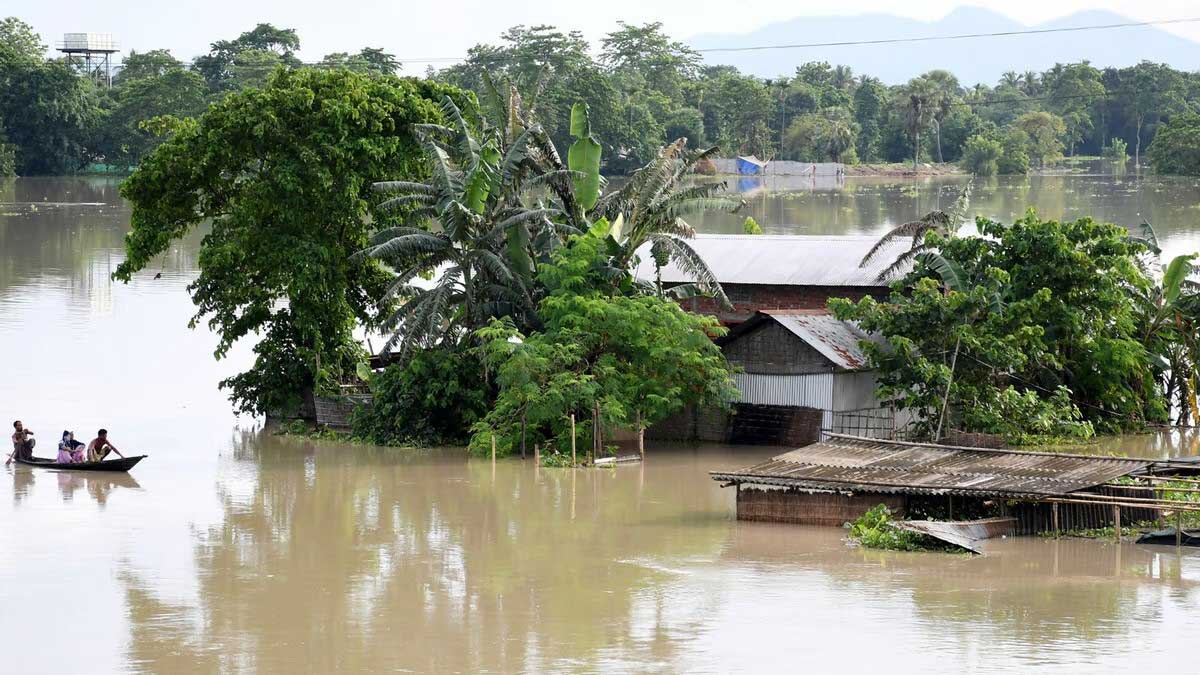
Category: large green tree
<point>154,85</point>
<point>1176,146</point>
<point>229,62</point>
<point>1022,330</point>
<point>284,174</point>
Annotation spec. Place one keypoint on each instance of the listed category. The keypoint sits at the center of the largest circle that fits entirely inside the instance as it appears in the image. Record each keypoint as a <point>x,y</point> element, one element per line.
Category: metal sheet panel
<point>839,341</point>
<point>807,391</point>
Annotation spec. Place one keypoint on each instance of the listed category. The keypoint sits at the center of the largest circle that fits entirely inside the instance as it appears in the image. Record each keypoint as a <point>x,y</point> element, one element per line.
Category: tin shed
<point>805,359</point>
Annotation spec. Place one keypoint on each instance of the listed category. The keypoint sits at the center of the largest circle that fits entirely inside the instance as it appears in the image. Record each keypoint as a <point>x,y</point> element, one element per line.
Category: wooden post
<point>641,437</point>
<point>1117,521</point>
<point>493,448</point>
<point>595,433</point>
<point>572,440</point>
<point>1054,517</point>
<point>522,435</point>
<point>537,454</point>
<point>1178,529</point>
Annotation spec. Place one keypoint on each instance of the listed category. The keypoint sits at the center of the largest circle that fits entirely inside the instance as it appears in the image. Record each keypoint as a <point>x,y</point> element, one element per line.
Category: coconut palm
<point>651,207</point>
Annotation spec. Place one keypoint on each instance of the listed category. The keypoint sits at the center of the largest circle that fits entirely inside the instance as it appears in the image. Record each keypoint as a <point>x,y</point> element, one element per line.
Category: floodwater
<point>235,550</point>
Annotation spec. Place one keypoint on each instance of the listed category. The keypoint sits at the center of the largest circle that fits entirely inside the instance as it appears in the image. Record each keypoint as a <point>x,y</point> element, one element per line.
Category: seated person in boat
<point>22,443</point>
<point>64,449</point>
<point>78,449</point>
<point>99,448</point>
<point>70,450</point>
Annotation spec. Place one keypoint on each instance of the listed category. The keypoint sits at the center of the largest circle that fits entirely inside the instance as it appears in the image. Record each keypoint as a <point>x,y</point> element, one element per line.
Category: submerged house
<point>769,272</point>
<point>838,479</point>
<point>802,371</point>
<point>810,360</point>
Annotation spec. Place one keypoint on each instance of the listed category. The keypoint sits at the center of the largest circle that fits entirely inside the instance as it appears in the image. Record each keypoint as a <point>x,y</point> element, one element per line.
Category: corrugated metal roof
<point>799,260</point>
<point>838,341</point>
<point>851,464</point>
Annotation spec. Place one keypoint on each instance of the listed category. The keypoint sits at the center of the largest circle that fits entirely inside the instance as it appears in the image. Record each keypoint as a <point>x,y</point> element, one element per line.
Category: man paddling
<point>22,443</point>
<point>99,448</point>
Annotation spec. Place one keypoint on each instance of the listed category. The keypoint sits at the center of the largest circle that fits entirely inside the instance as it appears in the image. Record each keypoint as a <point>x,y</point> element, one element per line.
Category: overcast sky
<point>413,30</point>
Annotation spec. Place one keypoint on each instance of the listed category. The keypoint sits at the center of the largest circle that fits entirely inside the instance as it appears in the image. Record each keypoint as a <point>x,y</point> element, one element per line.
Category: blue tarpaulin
<point>750,166</point>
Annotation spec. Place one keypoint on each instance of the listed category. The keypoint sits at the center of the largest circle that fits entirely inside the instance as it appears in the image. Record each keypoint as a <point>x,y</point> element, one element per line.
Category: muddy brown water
<point>235,550</point>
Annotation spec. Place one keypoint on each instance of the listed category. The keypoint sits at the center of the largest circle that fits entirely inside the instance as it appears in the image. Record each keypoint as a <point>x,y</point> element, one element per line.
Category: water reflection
<point>870,205</point>
<point>330,557</point>
<point>336,558</point>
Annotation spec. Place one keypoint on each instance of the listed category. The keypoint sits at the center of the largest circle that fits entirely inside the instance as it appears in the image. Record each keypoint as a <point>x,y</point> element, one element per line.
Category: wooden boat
<point>1167,538</point>
<point>119,464</point>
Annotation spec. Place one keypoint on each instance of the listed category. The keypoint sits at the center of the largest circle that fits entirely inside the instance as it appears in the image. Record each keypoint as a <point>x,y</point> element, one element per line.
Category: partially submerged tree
<point>633,358</point>
<point>285,176</point>
<point>1047,309</point>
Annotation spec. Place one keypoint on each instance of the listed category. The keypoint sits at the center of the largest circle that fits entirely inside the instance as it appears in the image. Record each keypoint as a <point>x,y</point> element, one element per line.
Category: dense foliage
<point>644,90</point>
<point>1176,146</point>
<point>284,174</point>
<point>1032,330</point>
<point>431,399</point>
<point>635,358</point>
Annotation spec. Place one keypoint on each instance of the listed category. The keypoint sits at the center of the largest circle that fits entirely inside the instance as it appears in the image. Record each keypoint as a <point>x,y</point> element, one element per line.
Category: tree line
<point>644,90</point>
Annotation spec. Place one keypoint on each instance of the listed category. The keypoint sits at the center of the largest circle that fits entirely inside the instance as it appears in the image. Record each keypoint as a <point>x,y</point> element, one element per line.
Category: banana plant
<point>468,229</point>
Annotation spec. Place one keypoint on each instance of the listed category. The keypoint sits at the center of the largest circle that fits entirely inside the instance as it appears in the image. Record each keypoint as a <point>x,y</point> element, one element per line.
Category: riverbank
<point>904,169</point>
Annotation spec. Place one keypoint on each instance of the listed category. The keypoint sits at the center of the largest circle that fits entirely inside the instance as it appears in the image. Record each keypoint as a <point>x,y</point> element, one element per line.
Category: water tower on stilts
<point>90,54</point>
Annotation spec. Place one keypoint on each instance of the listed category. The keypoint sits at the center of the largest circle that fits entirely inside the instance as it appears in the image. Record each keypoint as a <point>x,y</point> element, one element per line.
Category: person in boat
<point>100,446</point>
<point>78,448</point>
<point>64,449</point>
<point>70,451</point>
<point>22,443</point>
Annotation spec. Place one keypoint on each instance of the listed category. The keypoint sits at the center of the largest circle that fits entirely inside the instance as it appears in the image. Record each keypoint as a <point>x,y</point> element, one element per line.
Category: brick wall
<point>694,423</point>
<point>772,349</point>
<point>749,298</point>
<point>789,426</point>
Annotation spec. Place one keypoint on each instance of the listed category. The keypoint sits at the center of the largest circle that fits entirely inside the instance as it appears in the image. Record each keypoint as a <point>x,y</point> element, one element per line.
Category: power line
<point>842,43</point>
<point>961,36</point>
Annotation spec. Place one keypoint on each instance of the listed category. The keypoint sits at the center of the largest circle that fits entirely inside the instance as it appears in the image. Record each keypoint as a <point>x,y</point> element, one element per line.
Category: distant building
<point>768,272</point>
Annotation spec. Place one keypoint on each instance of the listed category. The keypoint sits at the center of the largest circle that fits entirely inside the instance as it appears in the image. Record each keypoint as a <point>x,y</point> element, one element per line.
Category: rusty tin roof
<point>851,464</point>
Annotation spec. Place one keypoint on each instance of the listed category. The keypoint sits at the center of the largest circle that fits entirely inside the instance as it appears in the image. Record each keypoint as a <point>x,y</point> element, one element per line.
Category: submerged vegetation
<point>874,529</point>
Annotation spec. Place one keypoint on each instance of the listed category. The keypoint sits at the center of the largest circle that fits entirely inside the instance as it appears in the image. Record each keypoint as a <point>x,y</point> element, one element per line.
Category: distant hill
<point>972,60</point>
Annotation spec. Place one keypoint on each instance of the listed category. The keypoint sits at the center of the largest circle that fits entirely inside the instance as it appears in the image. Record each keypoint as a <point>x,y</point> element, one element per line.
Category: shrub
<point>433,399</point>
<point>981,155</point>
<point>750,226</point>
<point>873,530</point>
<point>1116,150</point>
<point>1014,159</point>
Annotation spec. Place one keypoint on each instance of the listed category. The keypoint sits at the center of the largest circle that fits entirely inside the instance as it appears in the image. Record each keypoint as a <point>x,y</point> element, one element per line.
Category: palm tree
<point>467,227</point>
<point>917,96</point>
<point>1011,80</point>
<point>1030,83</point>
<point>650,208</point>
<point>842,77</point>
<point>945,223</point>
